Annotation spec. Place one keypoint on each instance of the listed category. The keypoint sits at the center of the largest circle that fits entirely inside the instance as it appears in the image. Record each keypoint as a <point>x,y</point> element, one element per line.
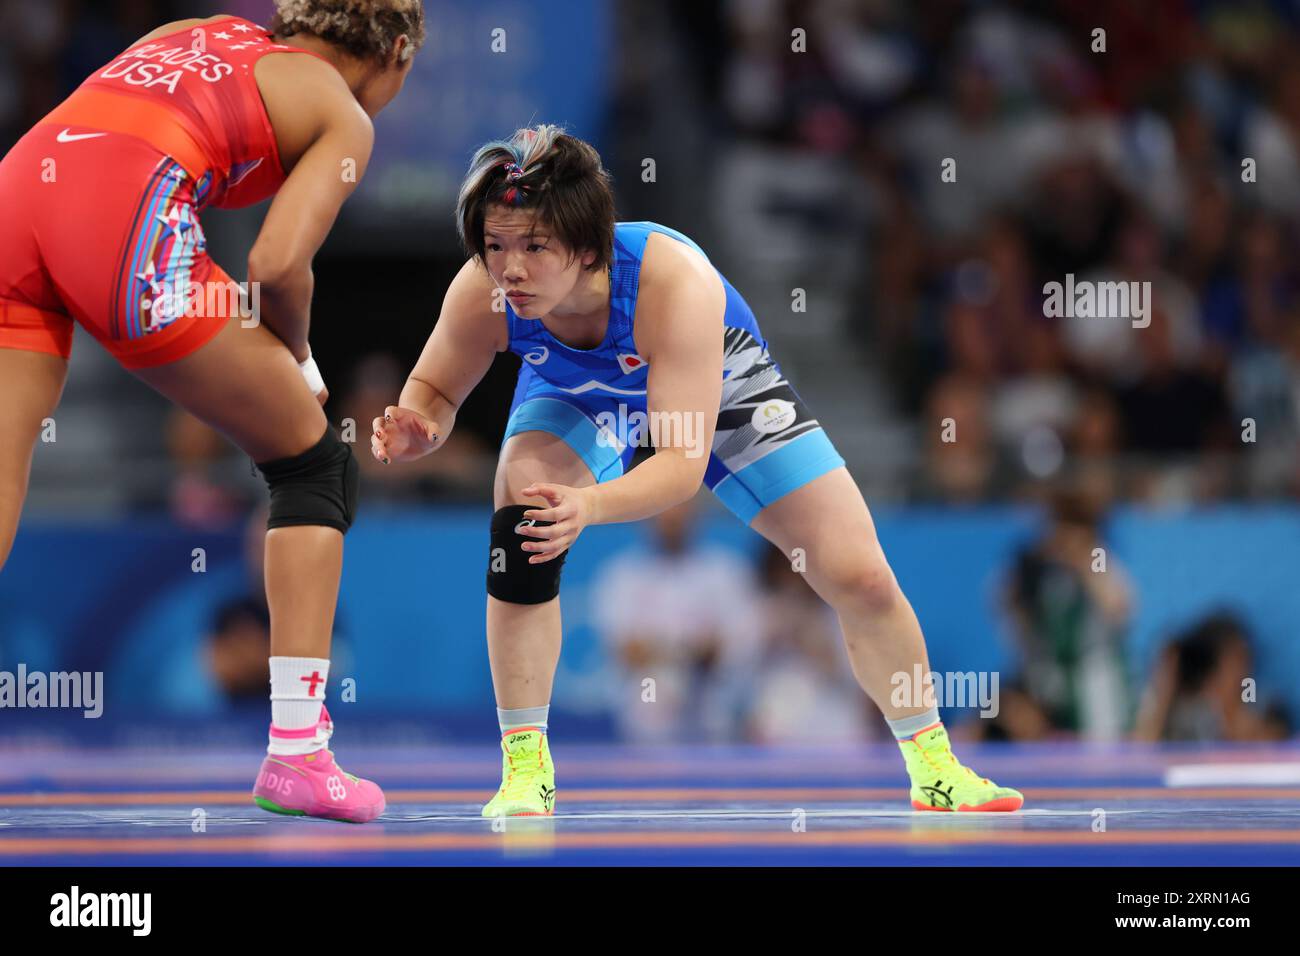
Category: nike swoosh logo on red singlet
<point>68,137</point>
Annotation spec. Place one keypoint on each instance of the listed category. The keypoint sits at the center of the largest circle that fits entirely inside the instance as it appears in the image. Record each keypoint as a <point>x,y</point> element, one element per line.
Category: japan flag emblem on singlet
<point>629,362</point>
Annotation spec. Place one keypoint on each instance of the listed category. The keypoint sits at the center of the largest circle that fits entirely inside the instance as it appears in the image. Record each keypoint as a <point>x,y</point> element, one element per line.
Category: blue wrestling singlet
<point>766,443</point>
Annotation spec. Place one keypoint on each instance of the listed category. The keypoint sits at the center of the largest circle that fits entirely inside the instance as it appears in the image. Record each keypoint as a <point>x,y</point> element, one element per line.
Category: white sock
<point>297,691</point>
<point>524,717</point>
<point>905,728</point>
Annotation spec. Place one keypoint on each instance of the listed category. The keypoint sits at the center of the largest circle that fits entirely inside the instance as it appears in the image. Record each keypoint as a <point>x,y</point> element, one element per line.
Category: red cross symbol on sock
<point>313,680</point>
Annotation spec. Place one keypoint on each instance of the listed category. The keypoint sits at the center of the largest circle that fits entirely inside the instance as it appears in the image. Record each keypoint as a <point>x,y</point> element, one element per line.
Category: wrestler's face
<point>528,262</point>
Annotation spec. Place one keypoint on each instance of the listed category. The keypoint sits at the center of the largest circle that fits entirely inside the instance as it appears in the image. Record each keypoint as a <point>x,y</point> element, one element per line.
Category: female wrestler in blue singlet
<point>629,336</point>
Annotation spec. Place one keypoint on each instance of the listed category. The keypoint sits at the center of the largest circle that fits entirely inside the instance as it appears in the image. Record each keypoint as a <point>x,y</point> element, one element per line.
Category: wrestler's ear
<point>395,58</point>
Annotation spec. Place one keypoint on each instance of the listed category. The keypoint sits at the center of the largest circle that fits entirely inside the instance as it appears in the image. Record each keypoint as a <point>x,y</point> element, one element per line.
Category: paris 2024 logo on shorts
<point>773,416</point>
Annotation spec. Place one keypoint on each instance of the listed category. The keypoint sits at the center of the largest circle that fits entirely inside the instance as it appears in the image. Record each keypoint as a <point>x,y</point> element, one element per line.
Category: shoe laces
<point>324,731</point>
<point>520,771</point>
<point>947,762</point>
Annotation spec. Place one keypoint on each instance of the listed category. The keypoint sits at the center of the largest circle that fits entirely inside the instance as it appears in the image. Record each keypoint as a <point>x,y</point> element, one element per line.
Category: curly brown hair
<point>367,29</point>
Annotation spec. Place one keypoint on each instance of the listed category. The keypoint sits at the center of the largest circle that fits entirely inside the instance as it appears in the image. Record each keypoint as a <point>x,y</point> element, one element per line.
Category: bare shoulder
<point>307,82</point>
<point>303,67</point>
<point>471,303</point>
<point>473,291</point>
<point>666,263</point>
<point>304,97</point>
<point>680,296</point>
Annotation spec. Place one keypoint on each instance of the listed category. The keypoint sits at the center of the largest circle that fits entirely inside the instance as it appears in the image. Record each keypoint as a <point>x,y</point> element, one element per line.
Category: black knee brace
<point>510,575</point>
<point>318,487</point>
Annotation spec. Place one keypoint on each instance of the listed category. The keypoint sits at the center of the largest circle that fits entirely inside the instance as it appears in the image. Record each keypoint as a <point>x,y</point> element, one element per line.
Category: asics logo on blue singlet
<point>537,356</point>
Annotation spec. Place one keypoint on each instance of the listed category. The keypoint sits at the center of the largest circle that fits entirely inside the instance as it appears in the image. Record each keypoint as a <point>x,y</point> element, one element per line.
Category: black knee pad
<point>318,487</point>
<point>510,575</point>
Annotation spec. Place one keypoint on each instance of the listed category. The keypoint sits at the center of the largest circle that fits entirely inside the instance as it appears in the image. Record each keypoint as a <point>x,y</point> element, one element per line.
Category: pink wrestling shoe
<point>313,785</point>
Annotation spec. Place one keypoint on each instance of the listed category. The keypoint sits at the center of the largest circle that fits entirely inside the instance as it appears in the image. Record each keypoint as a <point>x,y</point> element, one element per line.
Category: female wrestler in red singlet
<point>101,202</point>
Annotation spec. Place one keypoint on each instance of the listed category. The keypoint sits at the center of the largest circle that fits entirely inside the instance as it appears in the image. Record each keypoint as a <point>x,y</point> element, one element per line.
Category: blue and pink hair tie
<point>514,194</point>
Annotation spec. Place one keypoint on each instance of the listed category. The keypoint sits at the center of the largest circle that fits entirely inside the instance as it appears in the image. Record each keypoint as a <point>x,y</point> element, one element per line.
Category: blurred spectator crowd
<point>1171,156</point>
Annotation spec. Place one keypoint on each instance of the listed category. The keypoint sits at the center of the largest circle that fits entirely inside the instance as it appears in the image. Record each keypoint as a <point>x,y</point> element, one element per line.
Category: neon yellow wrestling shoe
<point>527,776</point>
<point>941,782</point>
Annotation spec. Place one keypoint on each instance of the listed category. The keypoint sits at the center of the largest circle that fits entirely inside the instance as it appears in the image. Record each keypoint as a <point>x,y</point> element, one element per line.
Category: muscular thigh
<point>32,384</point>
<point>530,456</point>
<point>245,384</point>
<point>827,519</point>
